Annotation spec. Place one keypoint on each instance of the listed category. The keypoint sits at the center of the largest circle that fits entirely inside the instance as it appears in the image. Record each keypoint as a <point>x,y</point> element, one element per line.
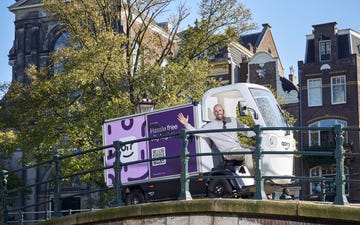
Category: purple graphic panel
<point>166,123</point>
<point>126,130</point>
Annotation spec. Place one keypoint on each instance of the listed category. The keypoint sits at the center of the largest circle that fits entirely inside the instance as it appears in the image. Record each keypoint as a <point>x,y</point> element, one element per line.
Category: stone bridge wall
<point>217,212</point>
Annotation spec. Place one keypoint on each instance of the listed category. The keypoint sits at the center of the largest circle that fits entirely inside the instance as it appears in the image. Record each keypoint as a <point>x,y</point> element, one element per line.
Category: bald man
<point>224,141</point>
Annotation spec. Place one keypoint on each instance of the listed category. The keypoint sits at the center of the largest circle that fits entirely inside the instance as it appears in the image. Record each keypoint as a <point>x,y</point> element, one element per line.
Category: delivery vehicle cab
<point>158,180</point>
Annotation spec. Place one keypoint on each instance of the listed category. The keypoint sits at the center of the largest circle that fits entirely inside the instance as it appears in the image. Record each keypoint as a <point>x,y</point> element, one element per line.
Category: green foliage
<point>248,121</point>
<point>327,159</point>
<point>177,83</point>
<point>105,69</point>
<point>7,141</point>
<point>13,181</point>
<point>220,23</point>
<point>7,136</point>
<point>317,159</point>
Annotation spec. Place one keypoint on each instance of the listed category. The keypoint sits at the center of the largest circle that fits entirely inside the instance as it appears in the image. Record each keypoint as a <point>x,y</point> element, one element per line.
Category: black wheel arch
<point>129,189</point>
<point>219,173</point>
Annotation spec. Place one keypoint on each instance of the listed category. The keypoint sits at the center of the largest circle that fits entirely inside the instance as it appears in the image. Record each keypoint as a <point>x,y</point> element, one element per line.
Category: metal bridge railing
<point>56,180</point>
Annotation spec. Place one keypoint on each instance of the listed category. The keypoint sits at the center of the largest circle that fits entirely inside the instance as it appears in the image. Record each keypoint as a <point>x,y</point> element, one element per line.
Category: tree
<point>220,23</point>
<point>116,53</point>
<point>7,136</point>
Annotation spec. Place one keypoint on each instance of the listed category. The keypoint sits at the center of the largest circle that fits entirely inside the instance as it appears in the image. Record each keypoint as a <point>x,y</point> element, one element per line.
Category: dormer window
<point>325,50</point>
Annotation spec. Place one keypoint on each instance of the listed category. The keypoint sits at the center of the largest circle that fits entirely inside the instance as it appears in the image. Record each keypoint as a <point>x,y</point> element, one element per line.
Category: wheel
<point>134,197</point>
<point>219,188</point>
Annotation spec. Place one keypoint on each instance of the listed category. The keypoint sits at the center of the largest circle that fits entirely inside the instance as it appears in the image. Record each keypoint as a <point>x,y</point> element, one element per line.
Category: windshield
<point>269,108</point>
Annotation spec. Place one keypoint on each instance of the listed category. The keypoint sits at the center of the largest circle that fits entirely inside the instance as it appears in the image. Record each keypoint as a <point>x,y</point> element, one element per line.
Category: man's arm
<point>185,121</point>
<point>242,125</point>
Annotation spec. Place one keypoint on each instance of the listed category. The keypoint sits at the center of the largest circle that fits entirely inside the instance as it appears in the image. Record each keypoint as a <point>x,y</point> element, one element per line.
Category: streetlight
<point>145,104</point>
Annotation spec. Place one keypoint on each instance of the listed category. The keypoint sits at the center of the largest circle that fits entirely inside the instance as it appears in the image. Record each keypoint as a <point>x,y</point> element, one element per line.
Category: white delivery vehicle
<point>158,180</point>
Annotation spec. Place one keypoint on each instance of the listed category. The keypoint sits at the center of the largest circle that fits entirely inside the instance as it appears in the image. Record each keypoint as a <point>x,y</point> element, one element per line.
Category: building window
<point>61,42</point>
<point>325,50</point>
<point>326,187</point>
<point>324,137</point>
<point>338,89</point>
<point>314,92</point>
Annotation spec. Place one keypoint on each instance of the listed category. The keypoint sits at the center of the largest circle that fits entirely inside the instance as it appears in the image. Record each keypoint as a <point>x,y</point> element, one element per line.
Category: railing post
<point>323,191</point>
<point>184,176</point>
<point>4,175</point>
<point>48,214</point>
<point>21,214</point>
<point>57,181</point>
<point>118,201</point>
<point>259,183</point>
<point>340,198</point>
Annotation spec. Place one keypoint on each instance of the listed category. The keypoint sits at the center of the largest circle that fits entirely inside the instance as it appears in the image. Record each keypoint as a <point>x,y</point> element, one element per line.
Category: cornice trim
<point>14,8</point>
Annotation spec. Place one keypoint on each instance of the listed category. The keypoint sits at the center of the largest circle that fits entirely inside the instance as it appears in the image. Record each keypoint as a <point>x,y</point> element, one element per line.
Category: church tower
<point>36,35</point>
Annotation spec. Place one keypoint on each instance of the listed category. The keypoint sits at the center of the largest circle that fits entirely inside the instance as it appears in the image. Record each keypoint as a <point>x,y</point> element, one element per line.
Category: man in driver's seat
<point>224,141</point>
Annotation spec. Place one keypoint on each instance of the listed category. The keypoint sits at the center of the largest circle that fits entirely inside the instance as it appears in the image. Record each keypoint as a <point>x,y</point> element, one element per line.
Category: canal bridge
<point>217,212</point>
<point>184,210</point>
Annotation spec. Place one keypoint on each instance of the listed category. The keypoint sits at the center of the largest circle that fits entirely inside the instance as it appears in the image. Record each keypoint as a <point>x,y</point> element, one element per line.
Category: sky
<point>290,21</point>
<point>6,39</point>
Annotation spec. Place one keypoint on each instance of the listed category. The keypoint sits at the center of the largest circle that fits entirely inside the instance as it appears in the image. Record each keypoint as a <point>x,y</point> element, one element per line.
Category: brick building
<point>255,59</point>
<point>329,81</point>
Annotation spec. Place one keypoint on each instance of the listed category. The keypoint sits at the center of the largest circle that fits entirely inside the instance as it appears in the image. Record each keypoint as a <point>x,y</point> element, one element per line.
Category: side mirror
<point>243,110</point>
<point>256,116</point>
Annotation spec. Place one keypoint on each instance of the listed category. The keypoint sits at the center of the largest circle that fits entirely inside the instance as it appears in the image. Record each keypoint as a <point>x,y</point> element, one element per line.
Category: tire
<point>134,197</point>
<point>219,188</point>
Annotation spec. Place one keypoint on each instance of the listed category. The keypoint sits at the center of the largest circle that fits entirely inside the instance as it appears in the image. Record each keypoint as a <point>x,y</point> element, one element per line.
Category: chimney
<point>292,76</point>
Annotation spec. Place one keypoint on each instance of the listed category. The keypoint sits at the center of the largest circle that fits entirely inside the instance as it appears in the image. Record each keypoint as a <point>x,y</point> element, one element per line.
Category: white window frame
<point>314,92</point>
<point>338,89</point>
<point>315,186</point>
<point>326,171</point>
<point>315,135</point>
<point>325,50</point>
